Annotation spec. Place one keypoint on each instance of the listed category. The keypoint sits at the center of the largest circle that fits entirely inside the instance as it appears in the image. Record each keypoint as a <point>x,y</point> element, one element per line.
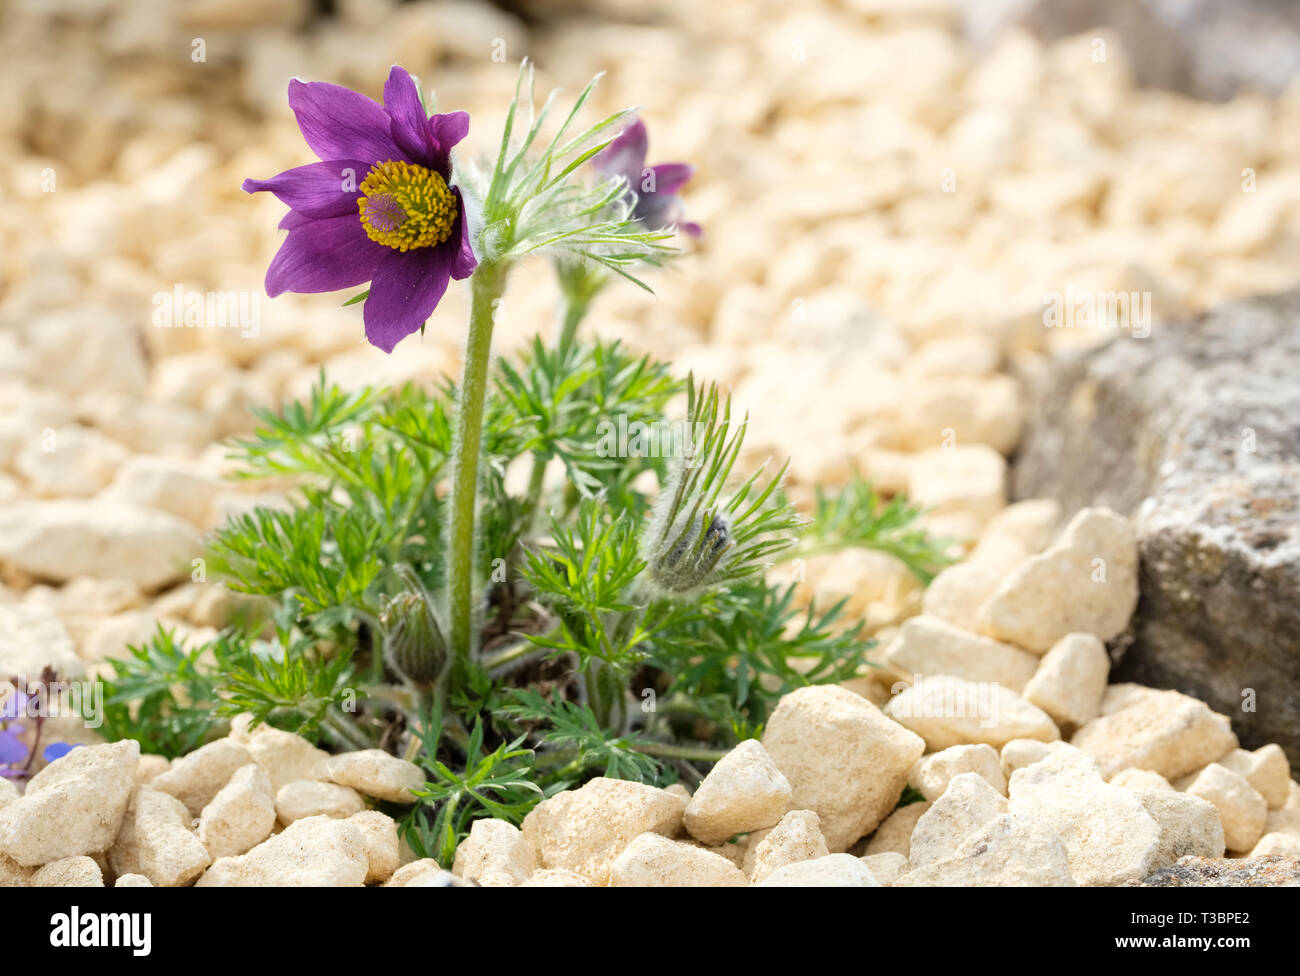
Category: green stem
<point>487,284</point>
<point>575,309</point>
<point>665,751</point>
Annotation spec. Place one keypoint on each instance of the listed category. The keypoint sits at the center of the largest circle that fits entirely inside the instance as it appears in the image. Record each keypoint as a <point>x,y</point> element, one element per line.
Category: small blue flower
<point>57,750</point>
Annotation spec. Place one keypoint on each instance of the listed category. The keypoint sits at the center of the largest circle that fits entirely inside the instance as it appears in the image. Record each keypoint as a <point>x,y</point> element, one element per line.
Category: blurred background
<point>889,189</point>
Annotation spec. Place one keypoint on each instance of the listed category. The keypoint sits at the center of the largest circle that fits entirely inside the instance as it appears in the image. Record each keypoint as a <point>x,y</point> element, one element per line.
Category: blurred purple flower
<point>655,187</point>
<point>379,206</point>
<point>57,750</point>
<point>13,705</point>
<point>13,751</point>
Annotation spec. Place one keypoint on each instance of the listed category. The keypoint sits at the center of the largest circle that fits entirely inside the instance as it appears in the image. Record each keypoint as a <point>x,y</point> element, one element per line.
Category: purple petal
<point>657,210</point>
<point>409,126</point>
<point>339,123</point>
<point>446,131</point>
<point>12,749</point>
<point>318,189</point>
<point>405,290</point>
<point>324,255</point>
<point>670,177</point>
<point>692,228</point>
<point>625,156</point>
<point>57,750</point>
<point>463,261</point>
<point>293,219</point>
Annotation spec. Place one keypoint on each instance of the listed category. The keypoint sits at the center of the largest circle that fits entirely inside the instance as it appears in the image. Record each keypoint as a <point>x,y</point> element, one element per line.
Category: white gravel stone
<point>1164,731</point>
<point>284,756</point>
<point>966,805</point>
<point>584,830</point>
<point>1188,825</point>
<point>1019,753</point>
<point>31,638</point>
<point>1109,837</point>
<point>1070,681</point>
<point>307,798</point>
<point>831,871</point>
<point>653,860</point>
<point>1140,779</point>
<point>64,538</point>
<point>494,855</point>
<point>1009,851</point>
<point>241,815</point>
<point>957,593</point>
<point>928,646</point>
<point>743,792</point>
<point>156,841</point>
<point>1243,812</point>
<point>1286,845</point>
<point>887,866</point>
<point>79,871</point>
<point>1267,769</point>
<point>948,711</point>
<point>196,778</point>
<point>1086,582</point>
<point>895,834</point>
<point>316,852</point>
<point>383,847</point>
<point>932,774</point>
<point>374,772</point>
<point>556,878</point>
<point>798,837</point>
<point>843,758</point>
<point>75,805</point>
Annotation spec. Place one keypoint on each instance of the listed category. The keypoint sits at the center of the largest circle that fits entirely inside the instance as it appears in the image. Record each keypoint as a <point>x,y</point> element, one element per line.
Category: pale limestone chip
<point>653,860</point>
<point>1242,809</point>
<point>494,855</point>
<point>843,758</point>
<point>948,711</point>
<point>1070,680</point>
<point>932,773</point>
<point>831,871</point>
<point>584,830</point>
<point>1109,837</point>
<point>308,798</point>
<point>241,815</point>
<point>798,837</point>
<point>196,778</point>
<point>69,872</point>
<point>1086,582</point>
<point>73,806</point>
<point>743,792</point>
<point>1164,731</point>
<point>374,772</point>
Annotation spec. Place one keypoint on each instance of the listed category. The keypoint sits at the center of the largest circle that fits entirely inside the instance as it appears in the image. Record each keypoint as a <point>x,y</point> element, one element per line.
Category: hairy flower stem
<point>575,309</point>
<point>487,284</point>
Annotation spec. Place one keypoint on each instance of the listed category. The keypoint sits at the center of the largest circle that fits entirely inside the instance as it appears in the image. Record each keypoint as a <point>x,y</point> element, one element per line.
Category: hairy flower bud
<point>690,559</point>
<point>413,643</point>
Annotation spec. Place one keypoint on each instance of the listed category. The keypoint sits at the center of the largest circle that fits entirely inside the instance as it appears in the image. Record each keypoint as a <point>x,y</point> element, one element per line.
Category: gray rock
<point>1272,871</point>
<point>1195,431</point>
<point>1210,49</point>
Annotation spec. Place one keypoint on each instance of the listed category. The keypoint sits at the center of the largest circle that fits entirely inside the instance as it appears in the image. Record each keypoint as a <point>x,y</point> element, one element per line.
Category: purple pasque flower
<point>378,207</point>
<point>655,187</point>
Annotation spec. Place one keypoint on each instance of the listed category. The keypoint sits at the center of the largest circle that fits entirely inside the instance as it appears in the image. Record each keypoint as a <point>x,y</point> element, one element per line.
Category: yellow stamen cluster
<point>404,205</point>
